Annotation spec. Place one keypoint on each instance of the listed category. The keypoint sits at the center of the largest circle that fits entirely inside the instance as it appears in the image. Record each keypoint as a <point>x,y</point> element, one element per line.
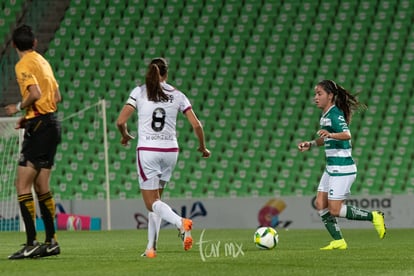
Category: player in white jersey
<point>157,104</point>
<point>337,106</point>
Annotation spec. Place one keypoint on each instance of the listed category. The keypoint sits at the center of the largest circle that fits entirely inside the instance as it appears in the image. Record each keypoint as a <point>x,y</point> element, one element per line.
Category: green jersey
<point>338,153</point>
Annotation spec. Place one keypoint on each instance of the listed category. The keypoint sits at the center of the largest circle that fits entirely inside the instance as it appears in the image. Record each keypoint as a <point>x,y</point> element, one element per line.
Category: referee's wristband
<point>18,106</point>
<point>312,143</point>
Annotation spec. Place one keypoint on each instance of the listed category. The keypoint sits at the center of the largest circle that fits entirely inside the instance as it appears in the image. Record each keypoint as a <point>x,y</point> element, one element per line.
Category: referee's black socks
<point>27,209</point>
<point>47,209</point>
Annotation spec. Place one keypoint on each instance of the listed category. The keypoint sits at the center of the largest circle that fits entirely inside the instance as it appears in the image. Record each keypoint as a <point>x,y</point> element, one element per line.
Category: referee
<point>40,95</point>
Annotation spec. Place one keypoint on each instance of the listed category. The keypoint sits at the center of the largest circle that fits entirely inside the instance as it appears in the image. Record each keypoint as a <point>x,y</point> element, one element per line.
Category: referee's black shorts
<point>41,138</point>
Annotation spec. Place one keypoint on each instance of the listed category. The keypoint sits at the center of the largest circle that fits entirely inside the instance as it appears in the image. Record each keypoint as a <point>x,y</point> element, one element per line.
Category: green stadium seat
<point>249,98</point>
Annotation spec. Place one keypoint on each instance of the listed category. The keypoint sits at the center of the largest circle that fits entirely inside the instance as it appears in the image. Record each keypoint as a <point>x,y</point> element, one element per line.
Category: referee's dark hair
<point>23,38</point>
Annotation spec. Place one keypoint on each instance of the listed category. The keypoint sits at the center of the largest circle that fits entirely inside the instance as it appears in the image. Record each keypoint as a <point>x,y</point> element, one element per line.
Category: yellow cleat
<point>378,221</point>
<point>336,244</point>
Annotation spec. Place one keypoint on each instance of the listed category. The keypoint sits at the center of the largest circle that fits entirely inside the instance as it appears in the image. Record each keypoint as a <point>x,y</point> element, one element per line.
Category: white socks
<point>342,212</point>
<point>323,212</point>
<point>166,213</point>
<point>154,224</point>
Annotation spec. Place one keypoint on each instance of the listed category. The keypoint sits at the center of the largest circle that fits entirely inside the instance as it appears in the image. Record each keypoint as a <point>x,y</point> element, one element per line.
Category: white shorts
<point>337,187</point>
<point>154,166</point>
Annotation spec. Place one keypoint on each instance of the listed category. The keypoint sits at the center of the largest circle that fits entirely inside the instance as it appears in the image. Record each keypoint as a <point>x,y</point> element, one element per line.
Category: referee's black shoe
<point>49,249</point>
<point>27,251</point>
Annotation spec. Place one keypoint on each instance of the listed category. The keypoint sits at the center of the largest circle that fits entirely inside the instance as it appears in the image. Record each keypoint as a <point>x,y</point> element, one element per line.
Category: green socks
<point>347,211</point>
<point>331,224</point>
<point>355,213</point>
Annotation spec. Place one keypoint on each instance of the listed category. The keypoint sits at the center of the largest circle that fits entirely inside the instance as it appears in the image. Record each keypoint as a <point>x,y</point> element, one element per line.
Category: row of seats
<point>11,10</point>
<point>249,69</point>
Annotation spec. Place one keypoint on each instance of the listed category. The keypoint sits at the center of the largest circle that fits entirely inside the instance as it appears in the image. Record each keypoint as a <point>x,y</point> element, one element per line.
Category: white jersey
<point>157,120</point>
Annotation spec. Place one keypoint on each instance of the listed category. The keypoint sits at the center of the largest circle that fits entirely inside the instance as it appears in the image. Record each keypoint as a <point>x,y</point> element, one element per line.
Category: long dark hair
<point>156,69</point>
<point>343,99</point>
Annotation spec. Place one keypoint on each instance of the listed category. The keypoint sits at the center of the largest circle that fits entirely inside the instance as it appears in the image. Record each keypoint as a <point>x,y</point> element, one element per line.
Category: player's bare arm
<point>345,135</point>
<point>198,129</point>
<point>306,145</point>
<point>121,123</point>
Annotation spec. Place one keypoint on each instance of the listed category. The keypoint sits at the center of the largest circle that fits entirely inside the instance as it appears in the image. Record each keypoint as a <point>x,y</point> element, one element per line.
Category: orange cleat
<point>150,253</point>
<point>187,225</point>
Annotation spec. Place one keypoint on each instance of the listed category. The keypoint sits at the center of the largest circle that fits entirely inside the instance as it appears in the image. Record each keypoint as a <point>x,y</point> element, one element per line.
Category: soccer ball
<point>266,238</point>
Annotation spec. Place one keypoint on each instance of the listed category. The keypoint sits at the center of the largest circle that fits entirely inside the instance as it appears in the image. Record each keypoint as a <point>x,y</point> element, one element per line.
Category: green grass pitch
<point>216,252</point>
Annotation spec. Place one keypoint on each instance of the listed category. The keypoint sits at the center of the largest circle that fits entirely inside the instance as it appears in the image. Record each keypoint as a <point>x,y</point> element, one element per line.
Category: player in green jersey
<point>337,106</point>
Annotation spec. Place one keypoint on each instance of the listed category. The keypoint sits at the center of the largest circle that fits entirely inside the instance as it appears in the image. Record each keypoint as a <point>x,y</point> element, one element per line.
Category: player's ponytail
<point>343,99</point>
<point>156,69</point>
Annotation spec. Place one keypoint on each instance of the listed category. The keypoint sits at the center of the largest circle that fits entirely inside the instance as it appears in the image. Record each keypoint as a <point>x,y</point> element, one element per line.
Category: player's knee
<point>148,204</point>
<point>334,211</point>
<point>320,204</point>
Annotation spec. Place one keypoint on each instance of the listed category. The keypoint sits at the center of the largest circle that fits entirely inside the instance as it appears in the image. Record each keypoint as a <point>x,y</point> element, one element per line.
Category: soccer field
<point>217,252</point>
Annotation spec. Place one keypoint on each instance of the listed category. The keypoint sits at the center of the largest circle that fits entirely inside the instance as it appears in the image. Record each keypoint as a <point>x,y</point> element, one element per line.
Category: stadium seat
<point>249,69</point>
